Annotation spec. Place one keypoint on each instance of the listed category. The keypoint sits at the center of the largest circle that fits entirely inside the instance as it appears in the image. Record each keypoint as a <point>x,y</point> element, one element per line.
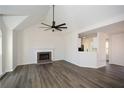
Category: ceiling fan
<point>54,26</point>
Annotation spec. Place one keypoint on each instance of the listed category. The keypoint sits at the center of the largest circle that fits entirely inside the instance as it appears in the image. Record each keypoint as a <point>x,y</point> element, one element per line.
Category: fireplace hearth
<point>43,57</point>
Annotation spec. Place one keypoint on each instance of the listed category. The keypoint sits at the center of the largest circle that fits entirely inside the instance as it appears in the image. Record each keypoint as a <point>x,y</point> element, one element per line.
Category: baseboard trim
<point>3,75</point>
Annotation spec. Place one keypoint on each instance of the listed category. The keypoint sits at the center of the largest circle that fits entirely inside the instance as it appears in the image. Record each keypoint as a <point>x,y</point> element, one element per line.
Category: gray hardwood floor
<point>62,74</point>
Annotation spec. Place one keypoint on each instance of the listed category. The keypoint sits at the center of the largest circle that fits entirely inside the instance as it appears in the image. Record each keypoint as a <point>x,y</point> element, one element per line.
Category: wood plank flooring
<point>62,74</point>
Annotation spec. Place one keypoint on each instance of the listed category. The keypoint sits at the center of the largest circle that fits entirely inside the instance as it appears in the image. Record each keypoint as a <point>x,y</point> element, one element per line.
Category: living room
<point>34,42</point>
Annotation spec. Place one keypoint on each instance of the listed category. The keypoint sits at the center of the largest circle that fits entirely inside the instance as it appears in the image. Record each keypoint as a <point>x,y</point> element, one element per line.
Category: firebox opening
<point>43,57</point>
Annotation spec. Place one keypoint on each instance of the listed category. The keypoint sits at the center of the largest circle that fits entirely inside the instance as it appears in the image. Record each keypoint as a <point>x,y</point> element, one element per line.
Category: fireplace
<point>43,57</point>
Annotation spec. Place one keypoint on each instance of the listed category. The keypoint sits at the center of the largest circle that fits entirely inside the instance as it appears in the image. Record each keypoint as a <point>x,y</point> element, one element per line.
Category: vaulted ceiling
<point>77,17</point>
<point>23,16</point>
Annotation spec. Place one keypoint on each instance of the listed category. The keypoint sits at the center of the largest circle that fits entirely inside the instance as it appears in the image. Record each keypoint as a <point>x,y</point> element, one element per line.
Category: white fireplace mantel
<point>34,51</point>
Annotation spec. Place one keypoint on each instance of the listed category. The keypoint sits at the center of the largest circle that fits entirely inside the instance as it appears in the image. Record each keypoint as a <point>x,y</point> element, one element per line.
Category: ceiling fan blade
<point>61,25</point>
<point>47,29</point>
<point>58,29</point>
<point>46,24</point>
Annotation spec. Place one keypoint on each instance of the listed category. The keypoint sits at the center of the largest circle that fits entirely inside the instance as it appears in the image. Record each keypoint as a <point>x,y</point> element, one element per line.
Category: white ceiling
<point>77,17</point>
<point>111,29</point>
<point>31,13</point>
<point>23,10</point>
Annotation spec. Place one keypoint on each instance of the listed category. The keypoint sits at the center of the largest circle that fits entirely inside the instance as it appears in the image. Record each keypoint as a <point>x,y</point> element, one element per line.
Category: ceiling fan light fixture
<point>53,30</point>
<point>54,26</point>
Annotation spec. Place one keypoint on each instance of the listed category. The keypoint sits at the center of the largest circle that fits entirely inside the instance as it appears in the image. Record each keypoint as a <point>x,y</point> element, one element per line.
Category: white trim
<point>35,50</point>
<point>2,74</point>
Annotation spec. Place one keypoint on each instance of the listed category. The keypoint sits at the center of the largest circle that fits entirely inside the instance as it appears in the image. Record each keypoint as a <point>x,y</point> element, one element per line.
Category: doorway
<point>107,50</point>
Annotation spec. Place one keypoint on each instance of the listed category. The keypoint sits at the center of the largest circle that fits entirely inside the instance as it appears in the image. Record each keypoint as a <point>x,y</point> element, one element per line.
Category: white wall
<point>8,23</point>
<point>83,59</point>
<point>65,46</point>
<point>0,52</point>
<point>15,46</point>
<point>34,38</point>
<point>101,52</point>
<point>117,49</point>
<point>6,47</point>
<point>12,21</point>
